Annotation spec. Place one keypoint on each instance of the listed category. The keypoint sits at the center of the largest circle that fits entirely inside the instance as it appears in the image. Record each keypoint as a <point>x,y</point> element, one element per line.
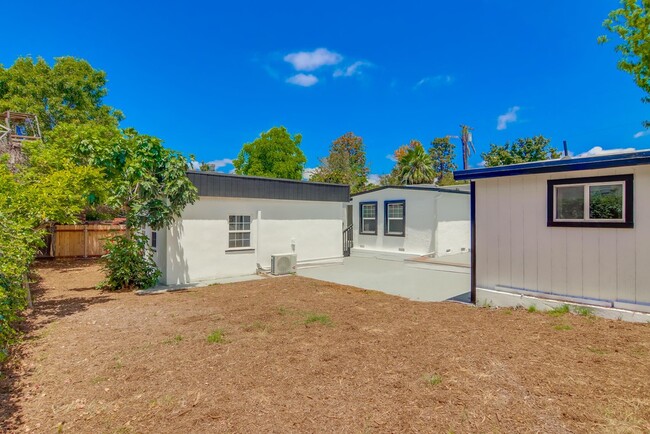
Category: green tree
<point>148,181</point>
<point>443,153</point>
<point>394,177</point>
<point>274,154</point>
<point>345,164</point>
<point>18,243</point>
<point>631,22</point>
<point>416,166</point>
<point>523,150</point>
<point>86,162</point>
<point>69,91</point>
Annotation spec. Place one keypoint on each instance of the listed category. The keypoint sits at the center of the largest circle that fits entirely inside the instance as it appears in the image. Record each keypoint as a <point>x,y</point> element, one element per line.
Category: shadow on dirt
<point>47,309</point>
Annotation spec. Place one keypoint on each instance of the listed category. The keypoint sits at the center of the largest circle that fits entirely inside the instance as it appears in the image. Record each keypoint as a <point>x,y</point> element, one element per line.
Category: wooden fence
<point>72,241</point>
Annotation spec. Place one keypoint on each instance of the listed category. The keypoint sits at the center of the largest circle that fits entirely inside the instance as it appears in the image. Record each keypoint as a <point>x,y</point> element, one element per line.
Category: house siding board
<point>517,230</point>
<point>492,221</point>
<point>482,245</point>
<point>609,264</point>
<point>225,185</point>
<point>642,232</point>
<point>574,263</point>
<point>530,216</point>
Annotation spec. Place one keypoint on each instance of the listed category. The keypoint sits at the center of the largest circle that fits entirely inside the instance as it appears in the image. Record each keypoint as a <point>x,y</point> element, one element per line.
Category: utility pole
<point>467,143</point>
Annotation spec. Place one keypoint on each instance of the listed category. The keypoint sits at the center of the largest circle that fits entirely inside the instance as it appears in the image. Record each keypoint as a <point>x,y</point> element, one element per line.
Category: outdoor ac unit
<point>283,264</point>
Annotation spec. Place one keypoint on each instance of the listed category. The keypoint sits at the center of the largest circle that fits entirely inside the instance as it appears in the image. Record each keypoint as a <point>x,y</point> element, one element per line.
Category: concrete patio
<point>394,277</point>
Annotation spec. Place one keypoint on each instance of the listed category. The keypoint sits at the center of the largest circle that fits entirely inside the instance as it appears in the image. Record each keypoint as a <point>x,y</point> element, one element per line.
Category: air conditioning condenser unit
<point>283,264</point>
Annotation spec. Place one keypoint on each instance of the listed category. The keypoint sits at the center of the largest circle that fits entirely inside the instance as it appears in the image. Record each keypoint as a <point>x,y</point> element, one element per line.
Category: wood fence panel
<point>83,240</point>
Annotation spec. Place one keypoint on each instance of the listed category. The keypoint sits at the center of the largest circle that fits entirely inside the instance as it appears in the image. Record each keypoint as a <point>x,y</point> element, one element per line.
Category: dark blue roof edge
<point>562,165</point>
<point>406,187</point>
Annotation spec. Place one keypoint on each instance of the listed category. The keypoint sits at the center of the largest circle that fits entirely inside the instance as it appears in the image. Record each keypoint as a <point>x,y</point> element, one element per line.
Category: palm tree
<point>416,166</point>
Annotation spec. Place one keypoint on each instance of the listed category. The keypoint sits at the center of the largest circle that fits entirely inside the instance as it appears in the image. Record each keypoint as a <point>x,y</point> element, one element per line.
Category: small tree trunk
<point>29,291</point>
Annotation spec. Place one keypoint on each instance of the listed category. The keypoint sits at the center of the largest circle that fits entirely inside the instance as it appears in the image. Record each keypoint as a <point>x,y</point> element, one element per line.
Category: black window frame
<point>628,200</point>
<point>154,240</point>
<point>392,202</point>
<point>361,231</point>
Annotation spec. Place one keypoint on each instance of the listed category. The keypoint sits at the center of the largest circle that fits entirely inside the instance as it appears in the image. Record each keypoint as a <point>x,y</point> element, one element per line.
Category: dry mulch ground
<point>300,355</point>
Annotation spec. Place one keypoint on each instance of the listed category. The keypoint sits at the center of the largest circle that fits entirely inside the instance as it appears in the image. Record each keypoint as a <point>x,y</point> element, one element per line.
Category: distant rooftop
<point>566,164</point>
<point>217,184</point>
<point>461,188</point>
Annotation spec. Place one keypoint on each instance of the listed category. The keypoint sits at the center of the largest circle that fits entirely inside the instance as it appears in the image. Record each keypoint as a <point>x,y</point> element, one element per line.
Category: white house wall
<point>197,244</point>
<point>516,249</point>
<point>452,234</point>
<point>435,222</point>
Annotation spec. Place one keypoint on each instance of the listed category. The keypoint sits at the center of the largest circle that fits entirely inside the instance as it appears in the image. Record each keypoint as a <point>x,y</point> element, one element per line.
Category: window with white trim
<point>239,231</point>
<point>595,201</point>
<point>368,217</point>
<point>395,221</point>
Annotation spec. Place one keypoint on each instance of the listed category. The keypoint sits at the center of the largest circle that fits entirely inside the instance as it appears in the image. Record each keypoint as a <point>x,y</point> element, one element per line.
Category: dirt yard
<point>298,355</point>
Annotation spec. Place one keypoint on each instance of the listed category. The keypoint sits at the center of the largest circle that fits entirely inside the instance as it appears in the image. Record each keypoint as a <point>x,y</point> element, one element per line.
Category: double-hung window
<point>368,218</point>
<point>239,231</point>
<point>394,217</point>
<point>603,201</point>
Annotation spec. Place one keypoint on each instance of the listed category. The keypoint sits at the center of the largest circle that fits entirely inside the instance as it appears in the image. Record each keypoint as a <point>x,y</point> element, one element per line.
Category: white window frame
<point>240,231</point>
<point>587,197</point>
<point>363,219</point>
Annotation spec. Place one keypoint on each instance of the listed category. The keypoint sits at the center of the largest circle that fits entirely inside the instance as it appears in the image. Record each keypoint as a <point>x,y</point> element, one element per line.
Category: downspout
<point>472,212</point>
<point>434,235</point>
<point>257,241</point>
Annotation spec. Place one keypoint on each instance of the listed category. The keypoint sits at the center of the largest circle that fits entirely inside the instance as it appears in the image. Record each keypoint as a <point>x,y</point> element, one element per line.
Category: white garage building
<point>574,230</point>
<point>239,222</point>
<point>411,221</point>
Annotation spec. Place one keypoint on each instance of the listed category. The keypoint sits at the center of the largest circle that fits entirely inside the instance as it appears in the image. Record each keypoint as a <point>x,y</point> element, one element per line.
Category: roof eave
<point>550,166</point>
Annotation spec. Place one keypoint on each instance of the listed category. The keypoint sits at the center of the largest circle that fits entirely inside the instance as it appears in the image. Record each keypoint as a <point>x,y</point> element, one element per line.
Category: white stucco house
<point>239,222</point>
<point>573,230</point>
<point>411,221</point>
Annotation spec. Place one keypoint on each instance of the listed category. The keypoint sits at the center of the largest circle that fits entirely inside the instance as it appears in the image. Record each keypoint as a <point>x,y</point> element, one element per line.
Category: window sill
<point>239,250</point>
<point>586,224</point>
<point>367,233</point>
<point>394,235</point>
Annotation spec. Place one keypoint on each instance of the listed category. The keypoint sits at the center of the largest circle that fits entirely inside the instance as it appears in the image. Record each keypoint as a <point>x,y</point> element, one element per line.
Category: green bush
<point>129,263</point>
<point>18,245</point>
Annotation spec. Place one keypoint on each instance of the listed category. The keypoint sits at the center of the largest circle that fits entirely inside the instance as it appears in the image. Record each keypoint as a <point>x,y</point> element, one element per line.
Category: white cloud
<point>434,81</point>
<point>312,60</point>
<point>642,134</point>
<point>307,173</point>
<point>304,80</point>
<point>351,70</point>
<point>392,158</point>
<point>506,118</point>
<point>373,178</point>
<point>221,163</point>
<point>597,150</point>
<point>218,164</point>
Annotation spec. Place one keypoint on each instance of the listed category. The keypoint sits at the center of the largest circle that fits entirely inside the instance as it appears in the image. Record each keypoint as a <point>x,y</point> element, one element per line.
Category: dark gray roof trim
<point>216,184</point>
<point>562,165</point>
<point>405,187</point>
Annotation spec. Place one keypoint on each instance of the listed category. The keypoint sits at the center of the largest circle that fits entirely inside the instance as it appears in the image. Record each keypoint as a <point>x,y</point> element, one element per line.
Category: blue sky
<point>209,76</point>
